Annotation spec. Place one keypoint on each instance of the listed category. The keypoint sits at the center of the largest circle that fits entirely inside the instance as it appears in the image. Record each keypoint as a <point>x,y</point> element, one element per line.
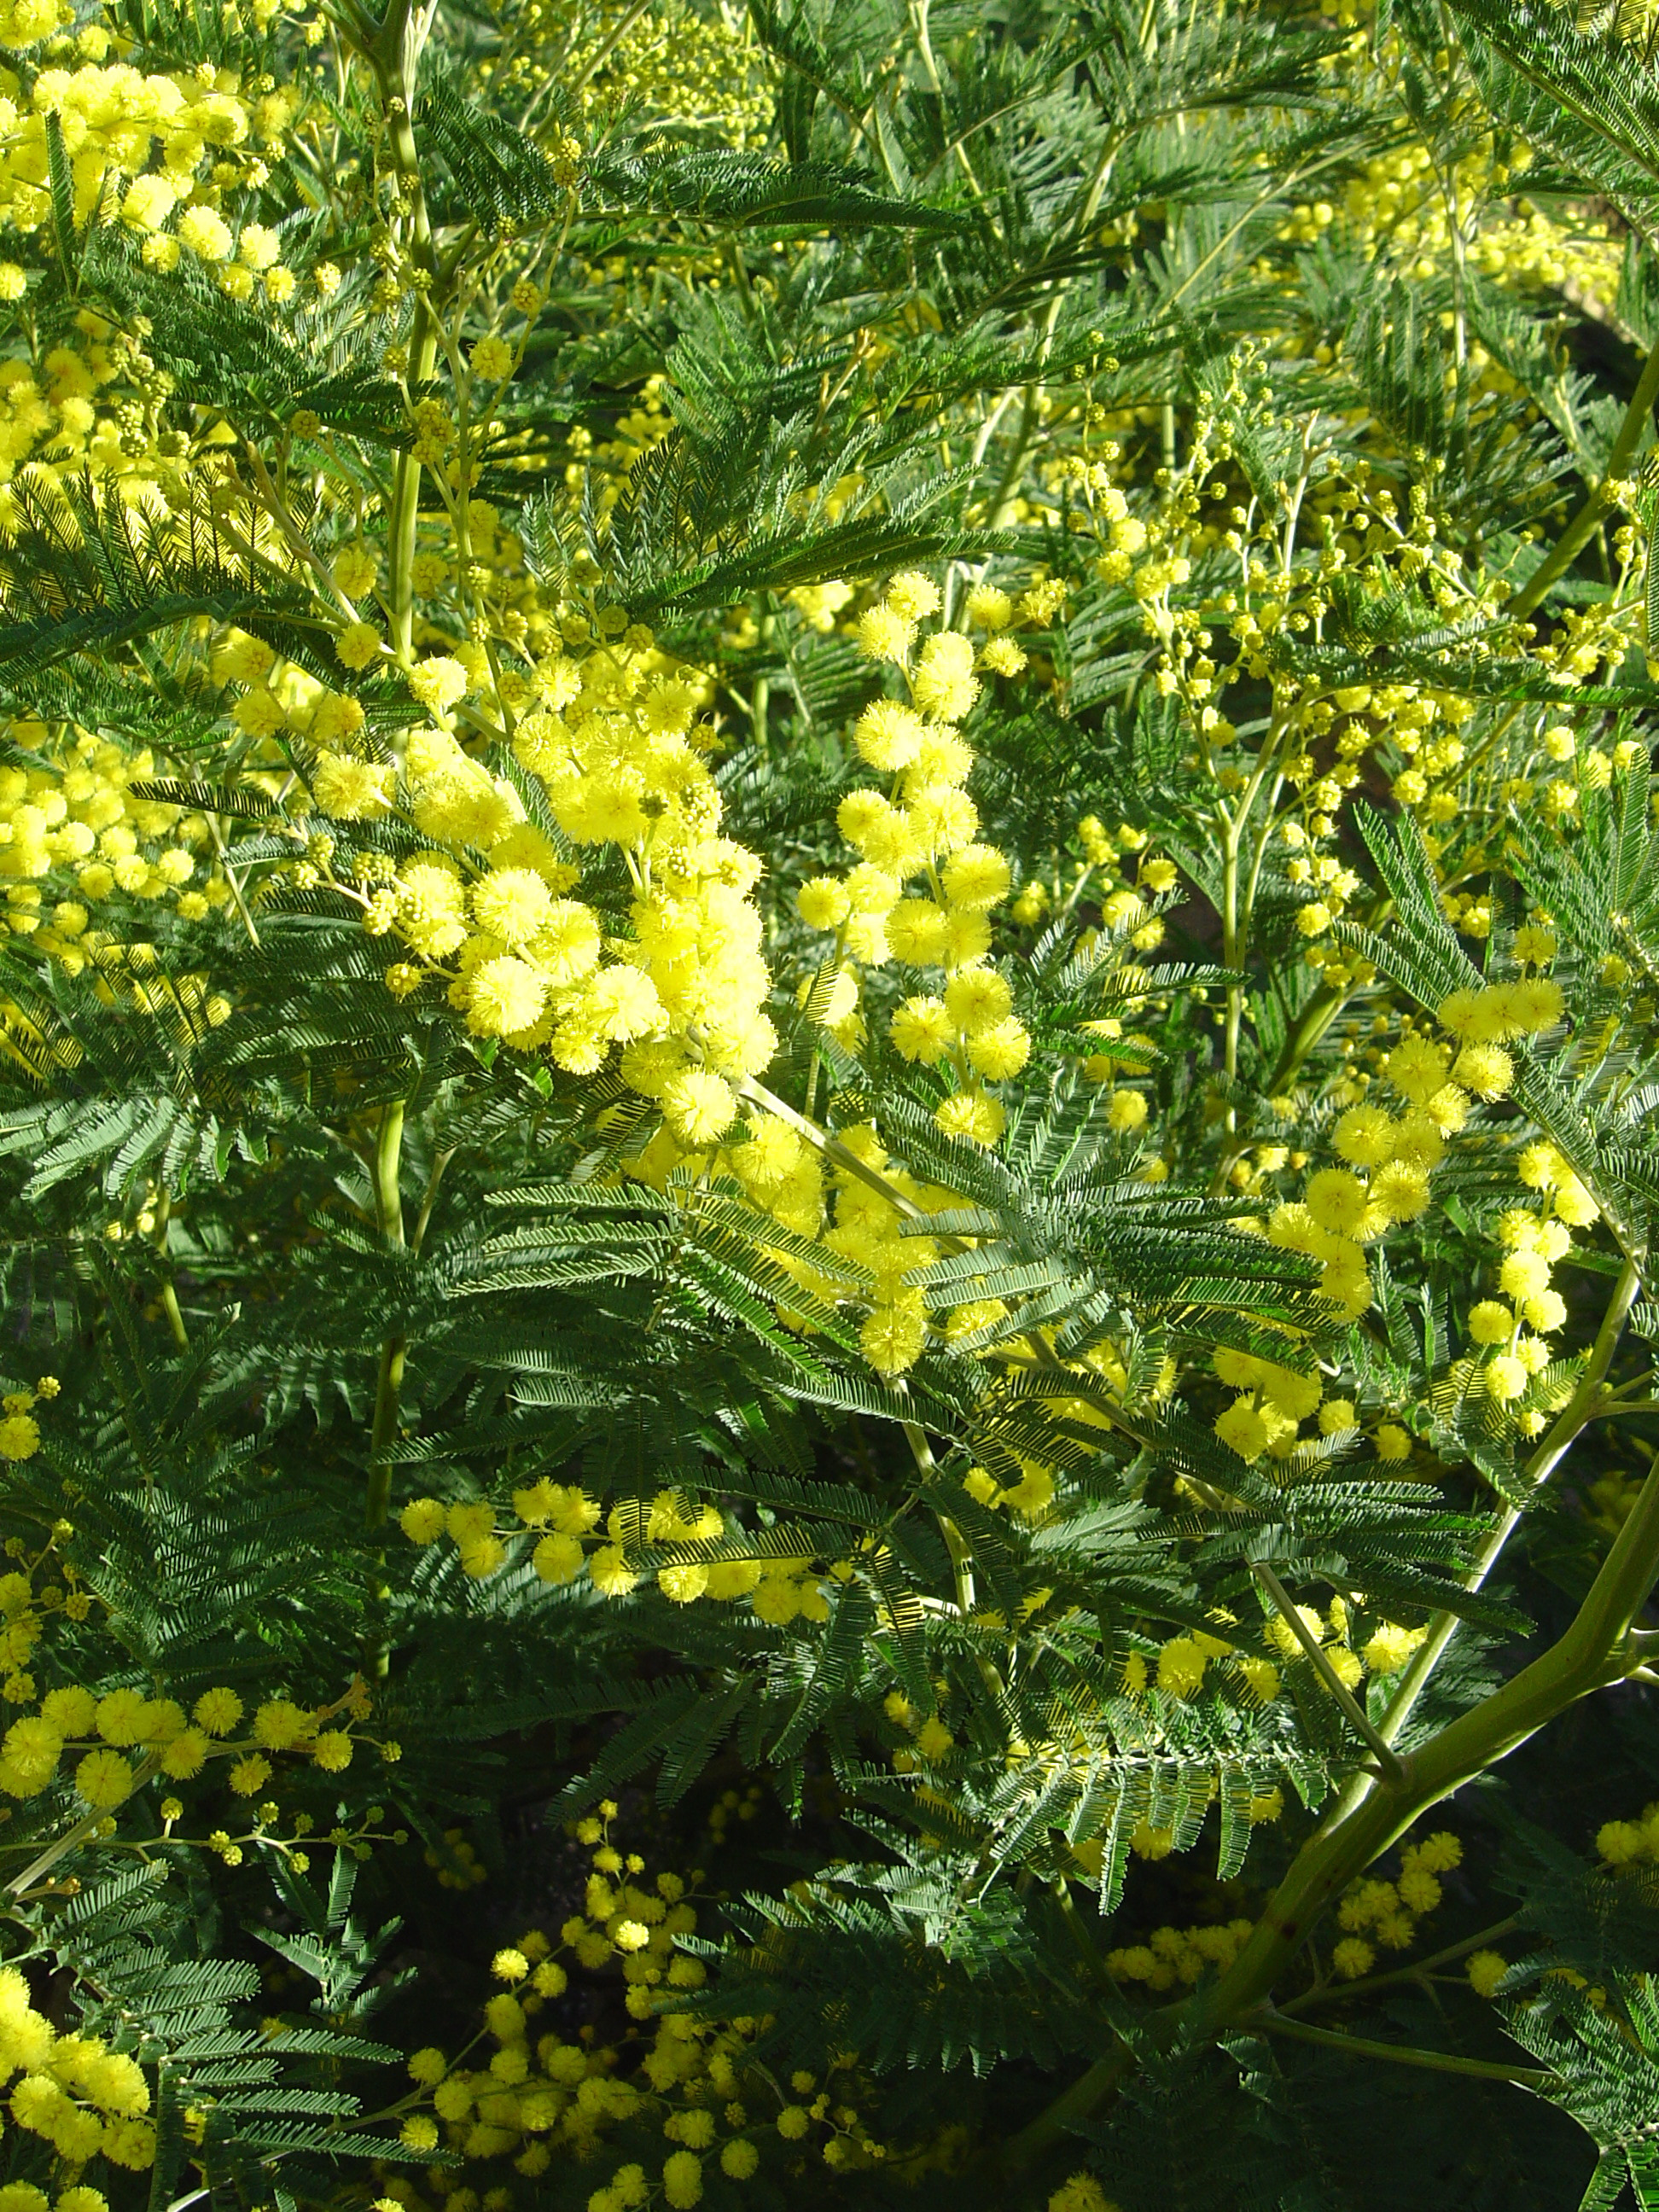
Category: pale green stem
<point>1598,1648</point>
<point>1360,2046</point>
<point>1583,526</point>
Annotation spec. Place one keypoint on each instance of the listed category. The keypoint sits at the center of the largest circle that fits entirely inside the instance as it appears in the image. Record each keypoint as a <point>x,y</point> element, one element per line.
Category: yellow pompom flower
<point>1505,1378</point>
<point>1337,1201</point>
<point>19,1437</point>
<point>822,902</point>
<point>217,1711</point>
<point>1524,1274</point>
<point>206,235</point>
<point>184,1756</point>
<point>888,735</point>
<point>505,997</point>
<point>698,1107</point>
<point>884,634</point>
<point>682,2179</point>
<point>557,1559</point>
<point>422,1520</point>
<point>1490,1323</point>
<point>103,1780</point>
<point>1485,1069</point>
<point>977,999</point>
<point>976,877</point>
<point>492,360</point>
<point>1399,1191</point>
<point>1536,1003</point>
<point>972,1116</point>
<point>892,1336</point>
<point>609,1572</point>
<point>513,904</point>
<point>944,686</point>
<point>1181,1667</point>
<point>439,682</point>
<point>683,1584</point>
<point>279,1724</point>
<point>1485,1969</point>
<point>357,644</point>
<point>913,594</point>
<point>999,1050</point>
<point>1244,1430</point>
<point>1388,1647</point>
<point>1081,2193</point>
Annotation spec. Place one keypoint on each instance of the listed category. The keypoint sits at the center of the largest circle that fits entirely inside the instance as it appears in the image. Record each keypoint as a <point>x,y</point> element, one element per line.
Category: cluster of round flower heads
<point>19,1433</point>
<point>1173,1958</point>
<point>1180,1665</point>
<point>486,908</point>
<point>1511,1331</point>
<point>1629,1843</point>
<point>1389,1158</point>
<point>87,2100</point>
<point>115,121</point>
<point>1401,204</point>
<point>703,72</point>
<point>1372,1912</point>
<point>105,1731</point>
<point>38,1589</point>
<point>536,2098</point>
<point>923,825</point>
<point>73,814</point>
<point>82,857</point>
<point>571,1542</point>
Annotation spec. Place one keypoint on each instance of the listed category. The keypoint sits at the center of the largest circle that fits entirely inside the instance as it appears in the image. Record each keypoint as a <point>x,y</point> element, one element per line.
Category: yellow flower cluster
<point>19,1433</point>
<point>27,1602</point>
<point>779,1589</point>
<point>868,1232</point>
<point>1180,1957</point>
<point>1385,1179</point>
<point>1403,205</point>
<point>73,813</point>
<point>1566,250</point>
<point>923,825</point>
<point>1485,1969</point>
<point>1147,1842</point>
<point>81,856</point>
<point>618,761</point>
<point>534,2102</point>
<point>1373,1912</point>
<point>1180,1665</point>
<point>104,1730</point>
<point>50,417</point>
<point>112,120</point>
<point>1081,2192</point>
<point>1629,1843</point>
<point>86,2099</point>
<point>457,1865</point>
<point>704,73</point>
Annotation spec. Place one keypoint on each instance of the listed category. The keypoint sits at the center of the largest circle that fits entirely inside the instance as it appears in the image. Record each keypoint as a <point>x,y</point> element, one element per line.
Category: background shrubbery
<point>830,1030</point>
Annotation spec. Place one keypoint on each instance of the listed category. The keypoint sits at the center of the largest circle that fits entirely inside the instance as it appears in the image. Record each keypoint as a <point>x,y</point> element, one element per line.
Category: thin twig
<point>1356,1713</point>
<point>1361,2046</point>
